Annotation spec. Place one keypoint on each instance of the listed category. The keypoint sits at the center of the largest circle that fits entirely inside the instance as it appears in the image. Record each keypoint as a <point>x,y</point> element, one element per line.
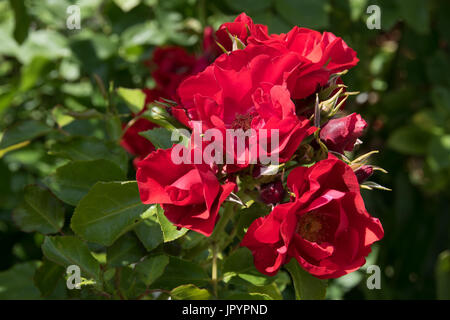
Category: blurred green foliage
<point>50,76</point>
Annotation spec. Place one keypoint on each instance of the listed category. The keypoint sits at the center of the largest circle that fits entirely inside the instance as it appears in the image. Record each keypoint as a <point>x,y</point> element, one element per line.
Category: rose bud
<point>340,134</point>
<point>363,173</point>
<point>272,193</point>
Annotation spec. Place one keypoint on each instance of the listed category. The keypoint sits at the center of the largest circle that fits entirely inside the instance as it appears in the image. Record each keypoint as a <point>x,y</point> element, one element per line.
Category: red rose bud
<point>341,134</point>
<point>363,173</point>
<point>272,193</point>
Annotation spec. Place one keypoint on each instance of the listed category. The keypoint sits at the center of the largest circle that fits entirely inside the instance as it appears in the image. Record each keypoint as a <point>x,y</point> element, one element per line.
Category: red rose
<point>277,111</point>
<point>190,194</point>
<point>237,92</point>
<point>242,27</point>
<point>341,134</point>
<point>172,65</point>
<point>326,227</point>
<point>318,56</point>
<point>324,48</point>
<point>303,59</point>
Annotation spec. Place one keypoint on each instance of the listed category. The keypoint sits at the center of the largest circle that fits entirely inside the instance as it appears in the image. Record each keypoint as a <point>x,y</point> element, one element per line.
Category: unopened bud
<point>363,173</point>
<point>272,193</point>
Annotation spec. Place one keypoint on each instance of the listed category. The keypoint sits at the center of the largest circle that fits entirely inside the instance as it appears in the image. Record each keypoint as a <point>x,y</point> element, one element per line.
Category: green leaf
<point>179,272</point>
<point>109,210</point>
<point>149,232</point>
<point>127,5</point>
<point>32,73</point>
<point>270,290</point>
<point>307,287</point>
<point>40,211</point>
<point>70,250</point>
<point>124,251</point>
<point>73,181</point>
<point>159,137</point>
<point>416,14</point>
<point>22,20</point>
<point>249,6</point>
<point>9,46</point>
<point>438,68</point>
<point>152,268</point>
<point>248,215</point>
<point>272,20</point>
<point>90,148</point>
<point>129,283</point>
<point>172,26</point>
<point>47,277</point>
<point>146,33</point>
<point>443,276</point>
<point>101,45</point>
<point>305,13</point>
<point>189,292</point>
<point>17,282</point>
<point>239,266</point>
<point>23,131</point>
<point>47,43</point>
<point>170,232</point>
<point>113,127</point>
<point>409,140</point>
<point>247,296</point>
<point>134,98</point>
<point>439,152</point>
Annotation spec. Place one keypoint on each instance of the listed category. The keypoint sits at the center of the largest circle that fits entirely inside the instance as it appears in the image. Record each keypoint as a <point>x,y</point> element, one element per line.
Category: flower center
<point>242,121</point>
<point>313,227</point>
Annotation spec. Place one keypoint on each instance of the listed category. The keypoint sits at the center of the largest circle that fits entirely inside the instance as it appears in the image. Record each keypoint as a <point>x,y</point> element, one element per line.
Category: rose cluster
<point>169,67</point>
<point>247,79</point>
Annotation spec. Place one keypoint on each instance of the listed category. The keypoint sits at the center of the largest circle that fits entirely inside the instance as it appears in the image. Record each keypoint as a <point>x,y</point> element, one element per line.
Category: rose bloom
<point>171,66</point>
<point>310,57</point>
<point>236,92</point>
<point>325,227</point>
<point>190,194</point>
<point>317,56</point>
<point>302,59</point>
<point>340,134</point>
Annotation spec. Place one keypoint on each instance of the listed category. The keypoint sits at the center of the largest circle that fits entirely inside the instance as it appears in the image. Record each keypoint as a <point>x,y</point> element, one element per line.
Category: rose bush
<point>160,195</point>
<point>255,85</point>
